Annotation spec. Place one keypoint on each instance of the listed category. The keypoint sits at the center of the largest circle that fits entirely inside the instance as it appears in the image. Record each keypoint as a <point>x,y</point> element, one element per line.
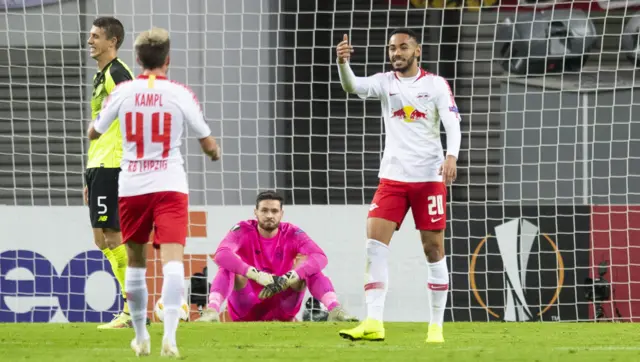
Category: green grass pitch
<point>283,342</point>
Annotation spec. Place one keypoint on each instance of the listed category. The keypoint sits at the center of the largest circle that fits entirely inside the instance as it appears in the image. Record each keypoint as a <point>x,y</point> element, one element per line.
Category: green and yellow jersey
<point>106,151</point>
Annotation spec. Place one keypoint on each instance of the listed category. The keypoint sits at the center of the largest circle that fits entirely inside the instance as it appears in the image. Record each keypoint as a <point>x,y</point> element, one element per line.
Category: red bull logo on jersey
<point>408,114</point>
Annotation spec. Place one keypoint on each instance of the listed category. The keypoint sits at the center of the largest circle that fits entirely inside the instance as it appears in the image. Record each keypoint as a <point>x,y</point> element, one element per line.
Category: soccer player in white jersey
<point>413,173</point>
<point>153,191</point>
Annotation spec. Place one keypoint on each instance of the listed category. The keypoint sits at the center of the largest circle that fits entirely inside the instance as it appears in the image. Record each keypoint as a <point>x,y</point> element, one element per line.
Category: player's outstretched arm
<point>450,117</point>
<point>226,257</point>
<point>365,87</point>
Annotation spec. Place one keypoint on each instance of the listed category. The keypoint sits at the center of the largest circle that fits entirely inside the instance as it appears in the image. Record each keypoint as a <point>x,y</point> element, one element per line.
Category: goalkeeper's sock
<point>377,277</point>
<point>173,273</point>
<point>120,255</point>
<point>438,290</point>
<point>330,300</point>
<point>215,301</point>
<point>137,295</point>
<point>321,288</point>
<point>221,288</point>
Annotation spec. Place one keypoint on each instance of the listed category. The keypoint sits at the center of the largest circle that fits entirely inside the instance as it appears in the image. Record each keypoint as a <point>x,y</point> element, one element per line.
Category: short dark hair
<point>152,48</point>
<point>112,28</point>
<point>407,31</point>
<point>269,195</point>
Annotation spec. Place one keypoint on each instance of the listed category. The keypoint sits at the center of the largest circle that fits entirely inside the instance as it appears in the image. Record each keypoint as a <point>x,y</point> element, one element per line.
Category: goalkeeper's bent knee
<point>299,286</point>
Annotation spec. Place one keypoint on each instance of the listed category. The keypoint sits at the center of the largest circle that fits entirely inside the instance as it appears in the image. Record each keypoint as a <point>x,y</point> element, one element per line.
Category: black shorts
<point>102,184</point>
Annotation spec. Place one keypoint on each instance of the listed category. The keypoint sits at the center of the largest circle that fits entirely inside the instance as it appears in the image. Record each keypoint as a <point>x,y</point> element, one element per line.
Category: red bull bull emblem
<point>408,114</point>
<point>398,114</point>
<point>416,114</point>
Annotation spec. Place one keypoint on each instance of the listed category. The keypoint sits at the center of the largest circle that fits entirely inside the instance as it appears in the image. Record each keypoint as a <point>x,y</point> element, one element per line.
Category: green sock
<point>120,269</point>
<point>112,259</point>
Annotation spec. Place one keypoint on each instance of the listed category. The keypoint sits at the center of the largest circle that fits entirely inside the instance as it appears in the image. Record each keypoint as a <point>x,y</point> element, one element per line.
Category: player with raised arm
<point>103,164</point>
<point>153,183</point>
<point>265,267</point>
<point>413,173</point>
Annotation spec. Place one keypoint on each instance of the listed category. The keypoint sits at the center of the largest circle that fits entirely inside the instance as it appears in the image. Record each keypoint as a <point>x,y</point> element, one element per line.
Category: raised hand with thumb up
<point>344,49</point>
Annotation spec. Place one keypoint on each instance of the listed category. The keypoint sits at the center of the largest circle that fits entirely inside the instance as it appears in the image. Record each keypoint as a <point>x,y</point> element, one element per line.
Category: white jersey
<point>412,110</point>
<point>152,112</point>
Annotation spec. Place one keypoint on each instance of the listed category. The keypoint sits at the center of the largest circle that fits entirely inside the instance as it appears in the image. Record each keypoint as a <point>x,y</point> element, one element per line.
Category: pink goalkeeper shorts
<point>245,306</point>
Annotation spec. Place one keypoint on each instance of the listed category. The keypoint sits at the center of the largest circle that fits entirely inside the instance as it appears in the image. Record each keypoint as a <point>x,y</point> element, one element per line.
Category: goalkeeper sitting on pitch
<point>264,268</point>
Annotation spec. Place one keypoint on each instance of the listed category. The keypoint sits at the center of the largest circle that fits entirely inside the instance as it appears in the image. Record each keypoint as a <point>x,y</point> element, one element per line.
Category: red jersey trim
<point>421,74</point>
<point>144,76</point>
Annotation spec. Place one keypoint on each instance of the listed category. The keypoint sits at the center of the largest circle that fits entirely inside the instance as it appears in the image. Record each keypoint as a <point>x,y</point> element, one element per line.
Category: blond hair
<point>152,48</point>
<point>154,36</point>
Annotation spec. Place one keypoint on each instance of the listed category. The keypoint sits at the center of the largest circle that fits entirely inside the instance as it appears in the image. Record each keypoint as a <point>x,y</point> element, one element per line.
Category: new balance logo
<point>103,218</point>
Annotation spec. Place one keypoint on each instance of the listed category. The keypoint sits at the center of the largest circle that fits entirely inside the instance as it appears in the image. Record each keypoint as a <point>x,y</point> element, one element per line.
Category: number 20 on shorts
<point>436,206</point>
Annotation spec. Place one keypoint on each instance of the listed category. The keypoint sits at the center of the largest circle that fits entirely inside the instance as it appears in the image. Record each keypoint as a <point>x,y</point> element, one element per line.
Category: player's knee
<point>172,252</point>
<point>300,258</point>
<point>101,244</point>
<point>98,239</point>
<point>112,238</point>
<point>239,282</point>
<point>433,244</point>
<point>299,286</point>
<point>136,255</point>
<point>380,229</point>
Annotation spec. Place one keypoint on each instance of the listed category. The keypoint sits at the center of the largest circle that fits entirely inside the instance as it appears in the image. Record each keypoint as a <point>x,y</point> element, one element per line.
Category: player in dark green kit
<point>105,153</point>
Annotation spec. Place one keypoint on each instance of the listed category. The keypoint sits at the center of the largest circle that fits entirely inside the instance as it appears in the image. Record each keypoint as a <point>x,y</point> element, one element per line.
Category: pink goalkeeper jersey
<point>153,112</point>
<point>244,247</point>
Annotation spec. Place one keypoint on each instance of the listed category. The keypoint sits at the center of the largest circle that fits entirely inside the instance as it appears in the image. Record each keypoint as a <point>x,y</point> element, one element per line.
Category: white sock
<point>377,278</point>
<point>173,273</point>
<point>137,294</point>
<point>438,290</point>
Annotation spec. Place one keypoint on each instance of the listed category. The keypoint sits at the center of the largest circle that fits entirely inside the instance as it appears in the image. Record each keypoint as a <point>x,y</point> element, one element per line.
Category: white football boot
<point>141,349</point>
<point>169,351</point>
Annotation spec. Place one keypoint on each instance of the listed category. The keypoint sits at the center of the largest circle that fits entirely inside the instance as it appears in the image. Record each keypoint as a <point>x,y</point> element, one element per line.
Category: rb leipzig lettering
<point>67,287</point>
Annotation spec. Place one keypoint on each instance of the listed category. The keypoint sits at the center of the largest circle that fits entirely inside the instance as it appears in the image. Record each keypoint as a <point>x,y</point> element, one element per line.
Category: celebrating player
<point>153,183</point>
<point>412,172</point>
<point>103,165</point>
<point>286,262</point>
